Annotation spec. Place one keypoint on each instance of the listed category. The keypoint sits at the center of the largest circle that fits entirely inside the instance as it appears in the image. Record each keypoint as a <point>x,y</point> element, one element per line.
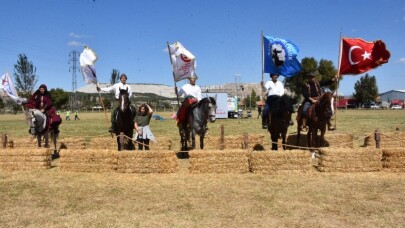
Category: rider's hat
<point>274,74</point>
<point>193,76</point>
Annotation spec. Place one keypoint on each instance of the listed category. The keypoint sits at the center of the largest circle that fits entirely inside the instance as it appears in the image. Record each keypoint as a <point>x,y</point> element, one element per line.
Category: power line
<point>72,61</point>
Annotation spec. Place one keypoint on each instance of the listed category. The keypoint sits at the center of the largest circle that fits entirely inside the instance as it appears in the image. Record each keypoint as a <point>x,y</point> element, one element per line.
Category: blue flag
<point>280,57</point>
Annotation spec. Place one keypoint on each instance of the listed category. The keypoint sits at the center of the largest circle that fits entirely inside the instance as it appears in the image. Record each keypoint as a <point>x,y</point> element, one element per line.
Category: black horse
<point>39,127</point>
<point>196,123</point>
<point>279,119</point>
<point>124,118</point>
<point>319,115</point>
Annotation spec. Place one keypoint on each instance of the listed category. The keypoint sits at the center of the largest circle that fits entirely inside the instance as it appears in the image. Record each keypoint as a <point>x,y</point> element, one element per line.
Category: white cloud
<point>74,35</point>
<point>401,60</point>
<point>75,44</point>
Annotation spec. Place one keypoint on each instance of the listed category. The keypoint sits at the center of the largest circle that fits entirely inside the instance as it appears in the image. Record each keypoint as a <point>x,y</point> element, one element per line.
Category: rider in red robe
<point>42,100</point>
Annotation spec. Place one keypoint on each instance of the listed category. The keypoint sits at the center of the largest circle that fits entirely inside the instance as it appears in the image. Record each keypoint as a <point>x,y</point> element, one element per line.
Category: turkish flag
<point>359,56</point>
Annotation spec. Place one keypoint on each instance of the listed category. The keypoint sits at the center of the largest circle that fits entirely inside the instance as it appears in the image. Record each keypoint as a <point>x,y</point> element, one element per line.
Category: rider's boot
<point>304,126</point>
<point>111,129</point>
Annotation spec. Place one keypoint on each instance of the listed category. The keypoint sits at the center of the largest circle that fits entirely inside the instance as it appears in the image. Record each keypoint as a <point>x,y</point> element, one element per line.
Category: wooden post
<point>245,141</point>
<point>121,141</point>
<point>377,138</point>
<point>366,140</point>
<point>4,140</point>
<point>222,141</point>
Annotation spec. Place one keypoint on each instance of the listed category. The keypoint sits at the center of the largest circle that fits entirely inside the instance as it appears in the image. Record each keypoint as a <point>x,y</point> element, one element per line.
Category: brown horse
<point>318,117</point>
<point>279,119</point>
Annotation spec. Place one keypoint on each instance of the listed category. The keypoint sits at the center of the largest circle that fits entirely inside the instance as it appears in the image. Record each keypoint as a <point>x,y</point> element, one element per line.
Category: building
<point>392,95</point>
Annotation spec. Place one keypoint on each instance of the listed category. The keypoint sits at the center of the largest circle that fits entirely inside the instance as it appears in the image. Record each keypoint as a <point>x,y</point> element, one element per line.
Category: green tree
<point>25,76</point>
<point>323,70</point>
<point>366,89</point>
<point>1,103</point>
<point>250,100</point>
<point>115,76</point>
<point>59,97</point>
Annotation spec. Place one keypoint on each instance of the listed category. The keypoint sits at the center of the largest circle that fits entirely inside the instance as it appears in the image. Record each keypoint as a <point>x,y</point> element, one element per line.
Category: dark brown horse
<point>124,116</point>
<point>318,117</point>
<point>279,119</point>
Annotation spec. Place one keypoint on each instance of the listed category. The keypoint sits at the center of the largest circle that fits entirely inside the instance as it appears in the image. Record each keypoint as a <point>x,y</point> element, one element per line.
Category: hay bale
<point>219,161</point>
<point>349,160</point>
<point>147,162</point>
<point>393,159</point>
<point>90,160</point>
<point>23,159</point>
<point>270,162</point>
<point>163,143</point>
<point>24,143</point>
<point>109,143</point>
<point>331,140</point>
<point>233,142</point>
<point>387,140</point>
<point>71,144</point>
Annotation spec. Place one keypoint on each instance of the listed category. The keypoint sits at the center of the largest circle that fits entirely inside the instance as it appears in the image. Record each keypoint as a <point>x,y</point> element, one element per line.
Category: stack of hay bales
<point>23,159</point>
<point>147,162</point>
<point>233,142</point>
<point>349,160</point>
<point>31,143</point>
<point>387,140</point>
<point>72,143</point>
<point>89,160</point>
<point>331,140</point>
<point>163,143</point>
<point>219,161</point>
<point>393,159</point>
<point>103,143</point>
<point>292,161</point>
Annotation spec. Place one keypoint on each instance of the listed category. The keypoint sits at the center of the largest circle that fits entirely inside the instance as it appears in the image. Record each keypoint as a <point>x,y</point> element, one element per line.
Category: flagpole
<point>262,82</point>
<point>102,104</point>
<point>174,78</point>
<point>338,74</point>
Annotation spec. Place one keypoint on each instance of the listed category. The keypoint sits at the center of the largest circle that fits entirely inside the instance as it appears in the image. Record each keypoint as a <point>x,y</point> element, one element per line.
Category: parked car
<point>374,106</point>
<point>396,107</point>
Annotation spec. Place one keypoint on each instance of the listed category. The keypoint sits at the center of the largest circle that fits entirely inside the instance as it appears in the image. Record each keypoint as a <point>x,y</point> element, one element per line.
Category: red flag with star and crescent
<point>359,56</point>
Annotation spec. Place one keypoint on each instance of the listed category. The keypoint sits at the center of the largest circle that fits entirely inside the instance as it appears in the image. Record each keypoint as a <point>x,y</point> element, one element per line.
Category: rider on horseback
<point>116,87</point>
<point>312,92</point>
<point>273,89</point>
<point>42,100</point>
<point>192,95</point>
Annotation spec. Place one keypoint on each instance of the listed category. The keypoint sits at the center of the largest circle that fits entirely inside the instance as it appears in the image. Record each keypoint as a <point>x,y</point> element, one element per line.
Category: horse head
<point>326,105</point>
<point>36,121</point>
<point>123,99</point>
<point>211,108</point>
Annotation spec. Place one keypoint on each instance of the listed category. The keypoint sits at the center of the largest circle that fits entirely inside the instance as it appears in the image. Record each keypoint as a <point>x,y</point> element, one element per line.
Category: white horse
<point>38,123</point>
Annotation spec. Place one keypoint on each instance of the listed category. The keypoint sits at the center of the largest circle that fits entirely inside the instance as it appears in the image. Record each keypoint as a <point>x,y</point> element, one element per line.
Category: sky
<point>225,36</point>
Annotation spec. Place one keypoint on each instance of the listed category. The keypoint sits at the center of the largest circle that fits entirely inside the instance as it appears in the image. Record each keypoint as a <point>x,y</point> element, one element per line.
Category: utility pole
<point>72,61</point>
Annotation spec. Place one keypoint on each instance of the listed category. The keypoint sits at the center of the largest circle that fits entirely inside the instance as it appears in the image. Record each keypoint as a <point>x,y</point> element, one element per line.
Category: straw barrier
<point>23,159</point>
<point>270,162</point>
<point>219,161</point>
<point>147,162</point>
<point>393,159</point>
<point>349,160</point>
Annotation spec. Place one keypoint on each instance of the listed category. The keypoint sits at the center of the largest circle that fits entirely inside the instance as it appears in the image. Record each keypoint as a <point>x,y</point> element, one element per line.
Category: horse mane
<point>280,104</point>
<point>205,100</point>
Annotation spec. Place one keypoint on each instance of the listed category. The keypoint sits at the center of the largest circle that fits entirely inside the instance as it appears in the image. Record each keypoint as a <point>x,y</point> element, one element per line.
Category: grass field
<point>52,198</point>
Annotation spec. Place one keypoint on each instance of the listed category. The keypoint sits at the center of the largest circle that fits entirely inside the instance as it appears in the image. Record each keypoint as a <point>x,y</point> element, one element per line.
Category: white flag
<point>8,88</point>
<point>87,59</point>
<point>183,62</point>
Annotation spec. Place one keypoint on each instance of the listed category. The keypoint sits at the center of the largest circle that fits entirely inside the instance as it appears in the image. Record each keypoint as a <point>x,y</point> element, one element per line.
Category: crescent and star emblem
<point>365,55</point>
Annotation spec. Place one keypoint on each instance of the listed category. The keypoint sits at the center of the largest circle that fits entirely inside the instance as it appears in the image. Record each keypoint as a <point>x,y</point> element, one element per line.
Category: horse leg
<point>39,140</point>
<point>202,141</point>
<point>193,140</point>
<point>283,137</point>
<point>274,139</point>
<point>46,135</point>
<point>322,136</point>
